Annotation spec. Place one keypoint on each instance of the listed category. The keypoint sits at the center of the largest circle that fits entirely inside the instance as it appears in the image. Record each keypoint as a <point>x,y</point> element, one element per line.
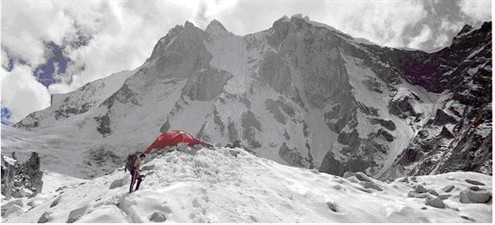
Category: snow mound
<point>232,185</point>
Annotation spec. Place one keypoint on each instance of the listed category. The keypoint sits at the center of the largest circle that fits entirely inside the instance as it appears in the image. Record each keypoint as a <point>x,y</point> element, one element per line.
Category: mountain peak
<point>284,18</point>
<point>465,29</point>
<point>215,26</point>
<point>300,16</point>
<point>188,25</point>
<point>469,33</point>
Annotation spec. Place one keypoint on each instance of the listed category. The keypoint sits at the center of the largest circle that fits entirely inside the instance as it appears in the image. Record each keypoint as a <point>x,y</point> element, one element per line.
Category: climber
<point>135,171</point>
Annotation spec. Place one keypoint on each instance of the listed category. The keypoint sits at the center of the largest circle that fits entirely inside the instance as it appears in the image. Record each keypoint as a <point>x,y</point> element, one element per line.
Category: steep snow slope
<point>64,106</point>
<point>63,152</point>
<point>216,186</point>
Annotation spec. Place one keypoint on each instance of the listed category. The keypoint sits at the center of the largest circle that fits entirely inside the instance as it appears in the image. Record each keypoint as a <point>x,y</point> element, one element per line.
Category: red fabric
<point>172,138</point>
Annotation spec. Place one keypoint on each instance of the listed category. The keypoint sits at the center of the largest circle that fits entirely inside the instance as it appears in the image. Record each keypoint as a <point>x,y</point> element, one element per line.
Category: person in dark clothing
<point>136,173</point>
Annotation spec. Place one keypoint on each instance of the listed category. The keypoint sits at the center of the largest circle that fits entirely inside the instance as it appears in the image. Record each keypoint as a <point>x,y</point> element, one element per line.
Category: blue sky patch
<point>45,72</point>
<point>6,114</point>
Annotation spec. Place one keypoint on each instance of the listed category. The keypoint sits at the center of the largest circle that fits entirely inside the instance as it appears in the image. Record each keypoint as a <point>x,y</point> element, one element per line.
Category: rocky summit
<point>300,93</point>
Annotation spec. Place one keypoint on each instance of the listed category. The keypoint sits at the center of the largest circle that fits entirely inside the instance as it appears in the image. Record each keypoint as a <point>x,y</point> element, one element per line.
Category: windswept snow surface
<point>216,186</point>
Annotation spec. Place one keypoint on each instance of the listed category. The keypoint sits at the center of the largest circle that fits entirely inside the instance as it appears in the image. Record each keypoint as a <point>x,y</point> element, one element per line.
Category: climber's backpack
<point>131,160</point>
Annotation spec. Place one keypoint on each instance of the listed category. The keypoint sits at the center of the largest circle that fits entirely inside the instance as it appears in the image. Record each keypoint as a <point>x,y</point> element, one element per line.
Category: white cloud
<point>480,10</point>
<point>29,94</point>
<point>26,25</point>
<point>450,26</point>
<point>123,34</point>
<point>59,88</point>
<point>205,10</point>
<point>382,22</point>
<point>421,38</point>
<point>441,41</point>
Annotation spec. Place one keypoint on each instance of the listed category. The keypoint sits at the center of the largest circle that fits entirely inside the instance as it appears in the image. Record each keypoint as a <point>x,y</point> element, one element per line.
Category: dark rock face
<point>278,108</point>
<point>336,167</point>
<point>232,132</point>
<point>123,95</point>
<point>182,57</point>
<point>465,71</point>
<point>291,156</point>
<point>281,28</point>
<point>385,123</point>
<point>208,85</point>
<point>423,133</point>
<point>101,156</point>
<point>387,136</point>
<point>165,127</point>
<point>469,149</point>
<point>402,108</point>
<point>8,173</point>
<point>218,120</point>
<point>65,111</point>
<point>349,138</point>
<point>33,171</point>
<point>445,133</point>
<point>277,77</point>
<point>442,118</point>
<point>250,125</point>
<point>30,122</point>
<point>104,127</point>
<point>344,116</point>
<point>373,85</point>
<point>75,214</point>
<point>21,179</point>
<point>275,110</point>
<point>100,160</point>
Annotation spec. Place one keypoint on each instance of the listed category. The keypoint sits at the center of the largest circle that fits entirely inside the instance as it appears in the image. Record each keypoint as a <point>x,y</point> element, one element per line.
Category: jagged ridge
<point>303,94</point>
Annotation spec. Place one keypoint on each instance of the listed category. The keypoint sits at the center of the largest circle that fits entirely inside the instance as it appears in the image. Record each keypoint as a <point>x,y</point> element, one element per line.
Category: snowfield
<point>232,185</point>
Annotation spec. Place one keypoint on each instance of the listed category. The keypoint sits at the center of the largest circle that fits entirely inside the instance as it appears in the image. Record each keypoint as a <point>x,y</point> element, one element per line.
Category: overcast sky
<point>54,46</point>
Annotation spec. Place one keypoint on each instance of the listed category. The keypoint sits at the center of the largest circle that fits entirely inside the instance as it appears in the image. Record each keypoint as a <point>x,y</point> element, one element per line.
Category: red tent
<point>172,138</point>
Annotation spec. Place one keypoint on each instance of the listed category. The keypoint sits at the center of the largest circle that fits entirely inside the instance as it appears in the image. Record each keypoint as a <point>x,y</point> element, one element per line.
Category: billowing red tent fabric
<point>172,138</point>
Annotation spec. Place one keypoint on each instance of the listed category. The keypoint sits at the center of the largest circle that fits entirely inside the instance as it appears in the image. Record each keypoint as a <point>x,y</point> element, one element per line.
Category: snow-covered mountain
<point>300,93</point>
<point>232,185</point>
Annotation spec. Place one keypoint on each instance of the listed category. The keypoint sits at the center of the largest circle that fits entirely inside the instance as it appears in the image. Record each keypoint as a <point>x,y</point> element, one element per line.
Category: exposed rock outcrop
<point>475,195</point>
<point>21,179</point>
